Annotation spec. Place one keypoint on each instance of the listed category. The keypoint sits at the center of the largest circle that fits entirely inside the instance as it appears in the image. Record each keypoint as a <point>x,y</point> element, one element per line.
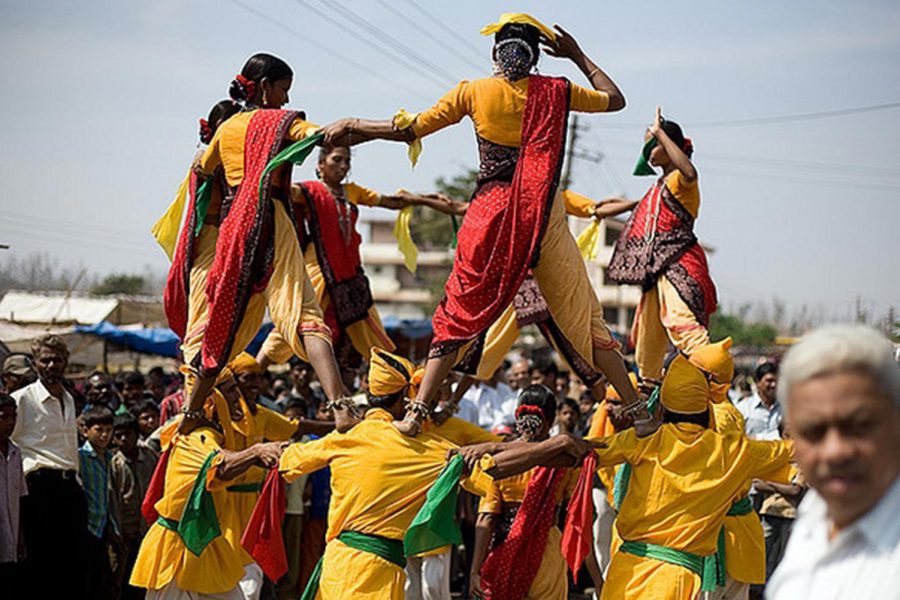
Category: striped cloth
<point>94,472</point>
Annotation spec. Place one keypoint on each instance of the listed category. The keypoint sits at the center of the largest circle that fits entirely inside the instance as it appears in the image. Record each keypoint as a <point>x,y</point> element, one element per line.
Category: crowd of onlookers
<point>79,453</point>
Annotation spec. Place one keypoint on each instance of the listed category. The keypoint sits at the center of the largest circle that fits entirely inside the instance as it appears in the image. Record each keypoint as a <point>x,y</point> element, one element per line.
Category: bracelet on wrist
<point>187,413</point>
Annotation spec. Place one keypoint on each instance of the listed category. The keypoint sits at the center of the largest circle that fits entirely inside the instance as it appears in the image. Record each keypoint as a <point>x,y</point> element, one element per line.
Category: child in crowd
<point>94,471</point>
<point>131,470</point>
<point>12,488</point>
<point>147,414</point>
<point>292,530</point>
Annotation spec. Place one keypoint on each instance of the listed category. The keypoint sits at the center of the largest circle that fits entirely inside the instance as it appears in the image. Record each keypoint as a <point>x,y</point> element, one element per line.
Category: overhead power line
<point>443,26</point>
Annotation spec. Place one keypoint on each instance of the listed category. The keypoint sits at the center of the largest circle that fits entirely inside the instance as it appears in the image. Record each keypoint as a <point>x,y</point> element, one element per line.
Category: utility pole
<point>570,154</point>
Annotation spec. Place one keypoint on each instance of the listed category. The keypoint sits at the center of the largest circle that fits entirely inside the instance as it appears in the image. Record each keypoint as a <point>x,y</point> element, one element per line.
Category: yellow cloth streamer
<point>521,18</point>
<point>165,230</point>
<point>589,240</point>
<point>404,120</point>
<point>405,243</point>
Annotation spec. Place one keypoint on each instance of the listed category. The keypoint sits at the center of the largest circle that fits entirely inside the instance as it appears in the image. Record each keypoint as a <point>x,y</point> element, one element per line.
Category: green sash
<point>245,487</point>
<point>704,566</point>
<point>295,153</point>
<point>199,524</point>
<point>204,195</point>
<point>643,163</point>
<point>739,508</point>
<point>389,550</point>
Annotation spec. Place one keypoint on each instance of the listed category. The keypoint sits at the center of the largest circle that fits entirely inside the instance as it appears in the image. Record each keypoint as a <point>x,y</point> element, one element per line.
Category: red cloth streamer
<point>262,537</point>
<point>501,235</point>
<point>510,568</point>
<point>576,539</point>
<point>177,290</point>
<point>155,489</point>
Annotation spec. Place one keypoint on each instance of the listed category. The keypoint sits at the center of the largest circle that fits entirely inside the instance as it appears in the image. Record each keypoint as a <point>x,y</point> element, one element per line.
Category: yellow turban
<point>244,363</point>
<point>521,18</point>
<point>684,388</point>
<point>389,374</point>
<point>715,359</point>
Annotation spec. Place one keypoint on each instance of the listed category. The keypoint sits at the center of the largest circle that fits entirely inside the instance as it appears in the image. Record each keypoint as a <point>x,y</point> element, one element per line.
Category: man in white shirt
<point>762,411</point>
<point>841,388</point>
<point>54,514</point>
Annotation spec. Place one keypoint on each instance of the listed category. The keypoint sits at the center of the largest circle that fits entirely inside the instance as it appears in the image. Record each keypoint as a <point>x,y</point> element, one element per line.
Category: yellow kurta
<point>662,314</point>
<point>364,334</point>
<point>461,432</point>
<point>683,481</point>
<point>558,280</point>
<point>379,478</point>
<point>550,582</point>
<point>289,295</point>
<point>163,558</point>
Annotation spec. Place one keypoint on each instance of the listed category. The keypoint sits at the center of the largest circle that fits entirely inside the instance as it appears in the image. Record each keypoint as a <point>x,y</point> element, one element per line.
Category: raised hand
<point>565,45</point>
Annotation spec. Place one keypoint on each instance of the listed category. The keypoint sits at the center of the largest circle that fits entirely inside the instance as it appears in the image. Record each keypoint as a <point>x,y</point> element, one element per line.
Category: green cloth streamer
<point>435,526</point>
<point>643,163</point>
<point>204,195</point>
<point>455,231</point>
<point>245,487</point>
<point>739,508</point>
<point>295,153</point>
<point>388,549</point>
<point>623,475</point>
<point>704,566</point>
<point>199,524</point>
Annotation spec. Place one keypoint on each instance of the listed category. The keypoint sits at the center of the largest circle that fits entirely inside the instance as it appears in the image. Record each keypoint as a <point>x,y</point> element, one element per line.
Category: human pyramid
<point>253,240</point>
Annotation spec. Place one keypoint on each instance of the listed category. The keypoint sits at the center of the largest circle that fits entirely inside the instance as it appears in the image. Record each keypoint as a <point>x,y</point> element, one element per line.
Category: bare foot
<point>408,427</point>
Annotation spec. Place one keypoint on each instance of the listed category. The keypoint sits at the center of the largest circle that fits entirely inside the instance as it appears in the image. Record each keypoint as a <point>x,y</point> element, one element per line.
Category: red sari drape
<point>500,237</point>
<point>245,247</point>
<point>177,291</point>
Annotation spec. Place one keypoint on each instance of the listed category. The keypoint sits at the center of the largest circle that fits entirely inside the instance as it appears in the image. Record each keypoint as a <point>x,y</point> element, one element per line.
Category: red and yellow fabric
<point>257,263</point>
<point>163,556</point>
<point>379,479</point>
<point>364,334</point>
<point>659,251</point>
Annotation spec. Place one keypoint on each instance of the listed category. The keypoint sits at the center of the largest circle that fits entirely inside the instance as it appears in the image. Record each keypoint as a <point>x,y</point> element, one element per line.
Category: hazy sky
<point>101,101</point>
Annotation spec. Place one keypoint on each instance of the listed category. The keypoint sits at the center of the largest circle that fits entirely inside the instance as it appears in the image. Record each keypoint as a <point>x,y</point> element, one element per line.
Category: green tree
<point>119,283</point>
<point>432,230</point>
<point>744,333</point>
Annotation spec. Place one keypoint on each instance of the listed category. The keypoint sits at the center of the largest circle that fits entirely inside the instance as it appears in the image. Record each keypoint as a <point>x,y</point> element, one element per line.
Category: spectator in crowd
<point>762,411</point>
<point>99,391</point>
<point>495,401</point>
<point>587,404</point>
<point>131,469</point>
<point>17,372</point>
<point>841,388</point>
<point>295,492</point>
<point>131,387</point>
<point>544,372</point>
<point>568,418</point>
<point>561,384</point>
<point>519,374</point>
<point>147,414</point>
<point>95,478</point>
<point>12,489</point>
<point>54,516</point>
<point>304,385</point>
<point>156,384</point>
<point>171,405</point>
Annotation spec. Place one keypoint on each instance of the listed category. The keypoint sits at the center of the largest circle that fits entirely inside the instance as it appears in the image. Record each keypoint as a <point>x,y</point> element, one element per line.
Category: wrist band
<point>191,414</point>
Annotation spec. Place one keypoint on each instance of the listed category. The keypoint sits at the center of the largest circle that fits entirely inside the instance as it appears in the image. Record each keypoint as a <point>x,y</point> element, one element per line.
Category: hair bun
<point>242,89</point>
<point>206,133</point>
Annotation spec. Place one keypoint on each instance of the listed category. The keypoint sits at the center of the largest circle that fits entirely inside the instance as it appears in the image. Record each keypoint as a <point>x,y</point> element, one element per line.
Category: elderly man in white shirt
<point>841,389</point>
<point>54,514</point>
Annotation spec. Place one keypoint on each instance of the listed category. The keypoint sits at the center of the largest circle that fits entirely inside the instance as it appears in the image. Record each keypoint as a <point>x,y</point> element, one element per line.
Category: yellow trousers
<point>571,300</point>
<point>289,296</point>
<point>364,335</point>
<point>350,574</point>
<point>635,578</point>
<point>550,582</point>
<point>663,316</point>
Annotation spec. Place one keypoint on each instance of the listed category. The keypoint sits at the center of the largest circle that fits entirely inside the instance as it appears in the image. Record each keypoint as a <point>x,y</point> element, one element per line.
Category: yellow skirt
<point>350,574</point>
<point>571,301</point>
<point>289,297</point>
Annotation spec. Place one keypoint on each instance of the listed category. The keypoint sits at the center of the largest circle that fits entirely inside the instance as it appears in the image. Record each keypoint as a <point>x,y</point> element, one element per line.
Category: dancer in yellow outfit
<point>659,251</point>
<point>326,213</point>
<point>745,549</point>
<point>683,481</point>
<point>497,511</point>
<point>515,223</point>
<point>192,550</point>
<point>258,264</point>
<point>379,478</point>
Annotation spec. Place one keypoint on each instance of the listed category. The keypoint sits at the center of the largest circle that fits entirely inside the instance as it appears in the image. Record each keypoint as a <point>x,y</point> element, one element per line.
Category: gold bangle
<point>594,72</point>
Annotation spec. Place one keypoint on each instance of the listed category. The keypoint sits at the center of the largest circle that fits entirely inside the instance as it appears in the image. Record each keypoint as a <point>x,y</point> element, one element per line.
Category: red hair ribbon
<point>205,131</point>
<point>529,409</point>
<point>688,146</point>
<point>248,85</point>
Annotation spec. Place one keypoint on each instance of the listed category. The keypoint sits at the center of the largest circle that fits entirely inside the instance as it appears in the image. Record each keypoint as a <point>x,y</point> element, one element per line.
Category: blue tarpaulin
<point>153,340</point>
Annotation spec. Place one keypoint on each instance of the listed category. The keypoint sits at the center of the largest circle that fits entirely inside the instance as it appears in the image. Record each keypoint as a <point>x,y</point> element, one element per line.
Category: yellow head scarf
<point>715,359</point>
<point>521,18</point>
<point>389,374</point>
<point>244,363</point>
<point>684,388</point>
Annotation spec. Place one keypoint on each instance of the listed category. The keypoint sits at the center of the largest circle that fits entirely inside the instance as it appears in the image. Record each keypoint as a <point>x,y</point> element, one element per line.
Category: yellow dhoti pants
<point>550,582</point>
<point>636,578</point>
<point>364,335</point>
<point>350,574</point>
<point>662,316</point>
<point>571,300</point>
<point>289,296</point>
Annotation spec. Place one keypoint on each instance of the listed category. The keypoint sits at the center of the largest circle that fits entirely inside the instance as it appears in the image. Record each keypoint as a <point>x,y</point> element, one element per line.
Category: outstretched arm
<point>257,455</point>
<point>352,131</point>
<point>567,47</point>
<point>676,154</point>
<point>612,207</point>
<point>558,451</point>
